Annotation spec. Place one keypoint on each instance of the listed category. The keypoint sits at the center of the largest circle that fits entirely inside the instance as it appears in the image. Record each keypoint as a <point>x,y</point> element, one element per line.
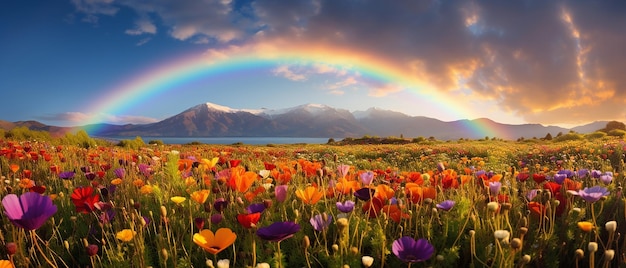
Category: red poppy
<point>553,187</point>
<point>537,208</point>
<point>373,207</point>
<point>234,163</point>
<point>269,166</point>
<point>38,189</point>
<point>84,199</point>
<point>249,220</point>
<point>539,178</point>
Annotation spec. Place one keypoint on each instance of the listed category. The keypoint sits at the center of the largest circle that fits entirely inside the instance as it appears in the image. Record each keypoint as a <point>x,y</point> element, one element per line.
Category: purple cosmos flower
<point>66,175</point>
<point>581,173</point>
<point>346,206</point>
<point>256,207</point>
<point>29,211</point>
<point>410,250</point>
<point>281,192</point>
<point>606,178</point>
<point>278,231</point>
<point>120,172</point>
<point>364,193</point>
<point>494,187</point>
<point>596,174</point>
<point>593,194</point>
<point>367,177</point>
<point>145,169</point>
<point>559,178</point>
<point>446,205</point>
<point>568,173</point>
<point>343,170</point>
<point>321,221</point>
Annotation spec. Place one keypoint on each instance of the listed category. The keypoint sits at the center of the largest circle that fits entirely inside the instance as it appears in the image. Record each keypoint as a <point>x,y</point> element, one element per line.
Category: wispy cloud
<point>142,26</point>
<point>286,72</point>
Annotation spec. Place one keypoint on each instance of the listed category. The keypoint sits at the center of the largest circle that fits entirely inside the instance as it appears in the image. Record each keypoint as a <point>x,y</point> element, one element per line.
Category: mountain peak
<point>217,107</point>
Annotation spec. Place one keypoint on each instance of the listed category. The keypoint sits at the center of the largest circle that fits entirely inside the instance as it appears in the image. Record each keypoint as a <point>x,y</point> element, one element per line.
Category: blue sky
<point>548,62</point>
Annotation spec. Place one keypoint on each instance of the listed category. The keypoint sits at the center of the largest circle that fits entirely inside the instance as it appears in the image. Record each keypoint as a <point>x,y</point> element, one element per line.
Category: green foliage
<point>132,144</point>
<point>568,137</point>
<point>613,125</point>
<point>595,135</point>
<point>617,133</point>
<point>24,133</point>
<point>156,142</point>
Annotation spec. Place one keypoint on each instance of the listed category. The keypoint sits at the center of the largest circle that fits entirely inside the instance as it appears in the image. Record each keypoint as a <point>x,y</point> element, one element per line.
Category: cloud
<point>74,118</point>
<point>545,61</point>
<point>142,26</point>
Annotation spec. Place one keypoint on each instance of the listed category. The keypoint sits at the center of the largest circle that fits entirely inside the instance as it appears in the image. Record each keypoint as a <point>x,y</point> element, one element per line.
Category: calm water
<point>231,140</point>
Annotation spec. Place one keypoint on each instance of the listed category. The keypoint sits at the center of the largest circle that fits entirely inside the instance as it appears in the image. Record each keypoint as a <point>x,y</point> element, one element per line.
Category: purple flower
<point>606,178</point>
<point>494,187</point>
<point>145,169</point>
<point>29,211</point>
<point>582,173</point>
<point>593,194</point>
<point>532,194</point>
<point>596,174</point>
<point>559,178</point>
<point>66,175</point>
<point>410,250</point>
<point>256,207</point>
<point>446,205</point>
<point>216,218</point>
<point>441,167</point>
<point>90,176</point>
<point>346,206</point>
<point>364,193</point>
<point>281,192</point>
<point>568,173</point>
<point>367,177</point>
<point>120,172</point>
<point>220,204</point>
<point>321,221</point>
<point>278,231</point>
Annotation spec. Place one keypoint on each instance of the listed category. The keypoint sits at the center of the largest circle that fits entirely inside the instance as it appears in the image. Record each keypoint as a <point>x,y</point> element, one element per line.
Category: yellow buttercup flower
<point>125,235</point>
<point>178,199</point>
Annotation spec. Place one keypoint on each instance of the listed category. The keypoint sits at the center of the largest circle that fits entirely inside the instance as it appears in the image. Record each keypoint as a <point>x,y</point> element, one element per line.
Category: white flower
<point>225,263</point>
<point>264,173</point>
<point>502,234</point>
<point>611,226</point>
<point>263,265</point>
<point>367,261</point>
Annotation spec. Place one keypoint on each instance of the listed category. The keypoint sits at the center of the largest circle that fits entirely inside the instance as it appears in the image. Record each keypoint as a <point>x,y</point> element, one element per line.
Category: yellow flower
<point>200,196</point>
<point>178,199</point>
<point>209,164</point>
<point>116,181</point>
<point>125,235</point>
<point>190,181</point>
<point>309,195</point>
<point>214,243</point>
<point>146,189</point>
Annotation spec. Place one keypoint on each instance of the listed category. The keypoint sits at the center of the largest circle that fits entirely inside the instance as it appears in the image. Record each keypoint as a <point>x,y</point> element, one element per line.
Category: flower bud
<point>592,247</point>
<point>163,211</point>
<point>263,265</point>
<point>516,243</point>
<point>92,250</point>
<point>335,247</point>
<point>609,254</point>
<point>580,254</point>
<point>367,261</point>
<point>611,226</point>
<point>493,206</point>
<point>306,242</point>
<point>11,248</point>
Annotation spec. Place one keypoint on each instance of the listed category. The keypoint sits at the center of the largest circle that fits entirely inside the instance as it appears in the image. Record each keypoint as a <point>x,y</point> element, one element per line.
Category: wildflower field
<point>486,203</point>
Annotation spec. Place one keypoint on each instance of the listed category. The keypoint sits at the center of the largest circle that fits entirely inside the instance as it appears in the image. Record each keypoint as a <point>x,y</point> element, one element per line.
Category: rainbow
<point>187,69</point>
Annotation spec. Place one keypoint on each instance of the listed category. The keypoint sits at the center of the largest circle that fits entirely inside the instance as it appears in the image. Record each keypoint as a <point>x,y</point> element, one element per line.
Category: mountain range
<point>312,120</point>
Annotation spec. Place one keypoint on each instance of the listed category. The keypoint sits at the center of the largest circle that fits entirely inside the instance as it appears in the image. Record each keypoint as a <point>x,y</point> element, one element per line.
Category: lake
<point>231,140</point>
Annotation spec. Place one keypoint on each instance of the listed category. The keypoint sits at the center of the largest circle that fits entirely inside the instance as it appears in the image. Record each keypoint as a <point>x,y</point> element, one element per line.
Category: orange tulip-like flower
<point>214,243</point>
<point>200,196</point>
<point>346,186</point>
<point>585,226</point>
<point>310,195</point>
<point>116,181</point>
<point>146,189</point>
<point>185,164</point>
<point>240,179</point>
<point>26,183</point>
<point>395,213</point>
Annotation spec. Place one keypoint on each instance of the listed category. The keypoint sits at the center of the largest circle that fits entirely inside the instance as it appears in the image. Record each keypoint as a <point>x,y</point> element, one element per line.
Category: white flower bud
<point>367,261</point>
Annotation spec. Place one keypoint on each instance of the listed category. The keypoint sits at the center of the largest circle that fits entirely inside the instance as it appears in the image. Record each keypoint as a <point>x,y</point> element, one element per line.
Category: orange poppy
<point>310,195</point>
<point>200,196</point>
<point>395,213</point>
<point>384,192</point>
<point>346,186</point>
<point>240,179</point>
<point>215,243</point>
<point>415,177</point>
<point>585,226</point>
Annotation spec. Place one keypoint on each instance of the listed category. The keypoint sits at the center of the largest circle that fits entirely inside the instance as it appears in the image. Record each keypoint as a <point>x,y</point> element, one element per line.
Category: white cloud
<point>143,26</point>
<point>78,118</point>
<point>284,71</point>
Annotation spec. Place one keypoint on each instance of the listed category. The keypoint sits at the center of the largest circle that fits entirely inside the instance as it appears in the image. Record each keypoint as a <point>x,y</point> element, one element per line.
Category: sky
<point>75,62</point>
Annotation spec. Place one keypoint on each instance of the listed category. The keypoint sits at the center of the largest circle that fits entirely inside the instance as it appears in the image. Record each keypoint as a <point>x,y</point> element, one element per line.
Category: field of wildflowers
<point>437,204</point>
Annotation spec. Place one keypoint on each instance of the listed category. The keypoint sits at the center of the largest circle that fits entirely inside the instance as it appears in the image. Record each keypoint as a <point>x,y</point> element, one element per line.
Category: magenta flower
<point>278,231</point>
<point>593,194</point>
<point>281,192</point>
<point>29,211</point>
<point>410,250</point>
<point>346,206</point>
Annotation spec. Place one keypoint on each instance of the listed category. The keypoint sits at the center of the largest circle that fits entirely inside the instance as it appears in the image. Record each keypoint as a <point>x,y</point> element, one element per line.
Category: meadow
<point>79,202</point>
